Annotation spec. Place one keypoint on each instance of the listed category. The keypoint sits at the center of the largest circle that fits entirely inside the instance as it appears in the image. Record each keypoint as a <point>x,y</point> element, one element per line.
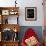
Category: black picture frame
<point>30,13</point>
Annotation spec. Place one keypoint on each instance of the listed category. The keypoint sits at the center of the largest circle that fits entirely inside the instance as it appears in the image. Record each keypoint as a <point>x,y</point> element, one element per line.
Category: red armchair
<point>28,36</point>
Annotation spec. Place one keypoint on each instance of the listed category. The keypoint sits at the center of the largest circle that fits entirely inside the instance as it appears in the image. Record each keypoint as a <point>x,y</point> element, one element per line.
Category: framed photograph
<point>30,13</point>
<point>5,12</point>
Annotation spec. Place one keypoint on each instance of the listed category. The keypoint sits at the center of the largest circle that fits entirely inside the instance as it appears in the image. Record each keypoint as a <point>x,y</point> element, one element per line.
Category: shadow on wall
<point>37,29</point>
